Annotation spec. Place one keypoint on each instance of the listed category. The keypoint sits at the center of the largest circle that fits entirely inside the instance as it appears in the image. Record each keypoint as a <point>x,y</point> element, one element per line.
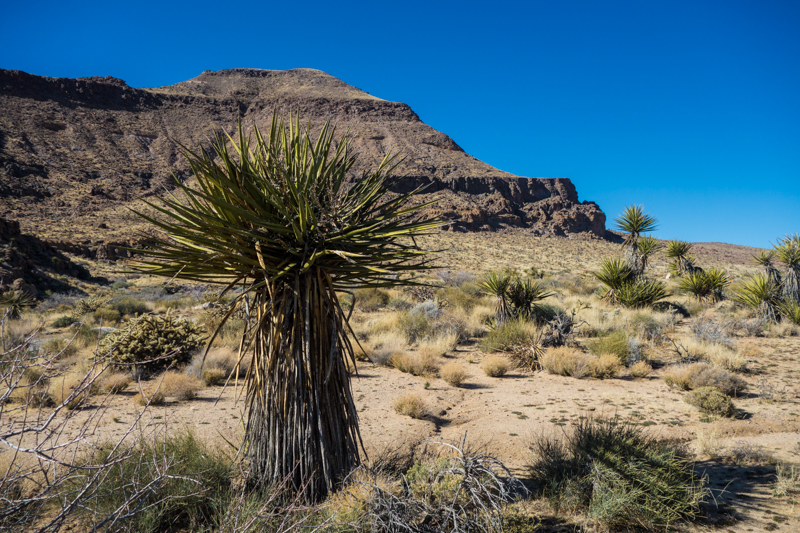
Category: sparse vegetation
<point>712,401</point>
<point>453,373</point>
<point>495,366</point>
<point>617,475</point>
<point>411,405</point>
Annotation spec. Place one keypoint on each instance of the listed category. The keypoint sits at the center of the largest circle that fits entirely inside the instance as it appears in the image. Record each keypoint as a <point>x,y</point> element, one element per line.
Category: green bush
<point>615,343</point>
<point>712,401</point>
<point>129,306</point>
<point>107,316</point>
<point>371,299</point>
<point>186,502</point>
<point>505,336</point>
<point>617,475</point>
<point>88,305</point>
<point>458,297</point>
<point>143,339</point>
<point>63,321</point>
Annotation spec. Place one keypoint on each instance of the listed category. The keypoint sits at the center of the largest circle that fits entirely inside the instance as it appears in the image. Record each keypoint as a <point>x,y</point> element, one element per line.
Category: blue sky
<point>689,108</point>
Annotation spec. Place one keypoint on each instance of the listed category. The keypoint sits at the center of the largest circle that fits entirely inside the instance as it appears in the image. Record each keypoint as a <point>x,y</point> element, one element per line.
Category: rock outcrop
<point>75,152</point>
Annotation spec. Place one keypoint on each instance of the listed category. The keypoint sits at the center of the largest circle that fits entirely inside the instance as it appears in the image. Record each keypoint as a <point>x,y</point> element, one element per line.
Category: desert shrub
<point>565,361</point>
<point>698,375</point>
<point>410,405</point>
<point>453,374</point>
<point>457,279</point>
<point>618,475</point>
<point>438,345</point>
<point>214,376</point>
<point>62,388</point>
<point>506,336</point>
<point>605,365</point>
<point>640,369</point>
<point>712,401</point>
<point>199,478</point>
<point>180,386</point>
<point>153,342</point>
<point>616,343</point>
<point>456,297</point>
<point>382,347</point>
<point>752,327</point>
<point>114,382</point>
<point>62,347</point>
<point>371,299</point>
<point>63,321</point>
<point>761,294</point>
<point>129,306</point>
<point>152,396</point>
<point>415,324</point>
<point>416,364</point>
<point>543,313</point>
<point>495,366</point>
<point>725,357</point>
<point>106,316</point>
<point>711,330</point>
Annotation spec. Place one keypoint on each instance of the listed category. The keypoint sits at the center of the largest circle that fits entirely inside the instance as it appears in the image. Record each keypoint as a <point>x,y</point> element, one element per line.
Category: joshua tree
<point>788,252</point>
<point>635,222</point>
<point>682,261</point>
<point>764,258</point>
<point>277,218</point>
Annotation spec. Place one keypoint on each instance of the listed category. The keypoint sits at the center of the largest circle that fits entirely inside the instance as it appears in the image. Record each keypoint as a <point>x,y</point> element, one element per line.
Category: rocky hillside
<point>75,153</point>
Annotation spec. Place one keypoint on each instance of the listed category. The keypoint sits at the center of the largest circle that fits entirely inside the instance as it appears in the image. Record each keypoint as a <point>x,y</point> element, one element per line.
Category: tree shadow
<point>734,490</point>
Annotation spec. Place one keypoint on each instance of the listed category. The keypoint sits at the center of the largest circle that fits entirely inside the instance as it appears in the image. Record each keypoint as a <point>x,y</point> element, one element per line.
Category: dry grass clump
<point>411,405</point>
<point>180,386</point>
<point>453,373</point>
<point>748,349</point>
<point>615,343</point>
<point>605,365</point>
<point>382,347</point>
<point>716,354</point>
<point>495,366</point>
<point>438,345</point>
<point>152,395</point>
<point>115,382</point>
<point>214,376</point>
<point>640,369</point>
<point>787,480</point>
<point>708,443</point>
<point>416,364</point>
<point>349,503</point>
<point>697,375</point>
<point>565,361</point>
<point>62,387</point>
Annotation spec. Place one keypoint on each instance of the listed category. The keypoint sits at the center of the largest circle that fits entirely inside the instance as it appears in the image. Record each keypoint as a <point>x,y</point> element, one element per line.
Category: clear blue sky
<point>690,108</point>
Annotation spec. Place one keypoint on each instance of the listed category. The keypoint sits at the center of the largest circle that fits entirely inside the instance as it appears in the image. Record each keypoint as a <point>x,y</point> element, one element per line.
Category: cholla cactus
<point>88,305</point>
<point>152,342</point>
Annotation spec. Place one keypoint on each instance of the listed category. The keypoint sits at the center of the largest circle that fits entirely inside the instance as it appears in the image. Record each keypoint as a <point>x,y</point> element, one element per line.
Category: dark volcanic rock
<point>79,150</point>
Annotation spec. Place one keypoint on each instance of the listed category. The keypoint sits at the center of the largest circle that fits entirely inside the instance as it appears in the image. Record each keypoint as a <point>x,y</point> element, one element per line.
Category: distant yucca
<point>277,218</point>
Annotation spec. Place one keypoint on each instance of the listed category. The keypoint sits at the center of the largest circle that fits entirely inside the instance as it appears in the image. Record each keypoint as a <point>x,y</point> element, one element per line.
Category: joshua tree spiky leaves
<point>760,293</point>
<point>634,221</point>
<point>765,258</point>
<point>787,251</point>
<point>682,260</point>
<point>276,218</point>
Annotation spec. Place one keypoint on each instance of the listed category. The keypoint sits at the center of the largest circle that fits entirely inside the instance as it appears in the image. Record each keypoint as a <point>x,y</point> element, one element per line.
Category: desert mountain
<point>74,153</point>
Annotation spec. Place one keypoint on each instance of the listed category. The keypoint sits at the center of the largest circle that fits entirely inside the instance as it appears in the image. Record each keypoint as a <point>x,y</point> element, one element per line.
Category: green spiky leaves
<point>760,293</point>
<point>516,297</point>
<point>705,285</point>
<point>635,221</point>
<point>622,287</point>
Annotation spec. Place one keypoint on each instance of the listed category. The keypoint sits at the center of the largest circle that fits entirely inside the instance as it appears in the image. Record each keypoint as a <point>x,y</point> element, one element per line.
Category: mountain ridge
<point>75,153</point>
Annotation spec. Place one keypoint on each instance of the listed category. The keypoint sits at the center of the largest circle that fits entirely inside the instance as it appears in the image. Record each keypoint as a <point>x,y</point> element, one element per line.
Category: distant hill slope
<point>74,153</point>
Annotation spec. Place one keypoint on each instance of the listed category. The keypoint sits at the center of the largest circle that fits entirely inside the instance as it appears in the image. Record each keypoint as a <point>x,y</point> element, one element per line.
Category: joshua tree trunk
<point>302,421</point>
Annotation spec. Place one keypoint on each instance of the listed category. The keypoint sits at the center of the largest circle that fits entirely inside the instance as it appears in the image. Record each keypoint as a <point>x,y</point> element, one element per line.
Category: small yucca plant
<point>613,274</point>
<point>278,218</point>
<point>760,293</point>
<point>14,303</point>
<point>787,250</point>
<point>641,293</point>
<point>790,310</point>
<point>705,286</point>
<point>765,258</point>
<point>516,297</point>
<point>682,260</point>
<point>634,221</point>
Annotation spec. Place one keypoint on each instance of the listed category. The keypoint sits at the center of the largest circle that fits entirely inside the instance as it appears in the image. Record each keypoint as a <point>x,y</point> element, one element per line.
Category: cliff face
<point>75,152</point>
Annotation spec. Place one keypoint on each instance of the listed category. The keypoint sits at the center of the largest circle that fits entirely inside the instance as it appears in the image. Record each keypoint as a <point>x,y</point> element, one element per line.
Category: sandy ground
<point>503,414</point>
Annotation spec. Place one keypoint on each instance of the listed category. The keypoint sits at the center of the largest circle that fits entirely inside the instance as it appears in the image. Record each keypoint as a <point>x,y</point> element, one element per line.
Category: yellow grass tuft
<point>180,386</point>
<point>438,346</point>
<point>417,364</point>
<point>640,369</point>
<point>495,366</point>
<point>453,373</point>
<point>115,382</point>
<point>605,366</point>
<point>411,405</point>
<point>565,361</point>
